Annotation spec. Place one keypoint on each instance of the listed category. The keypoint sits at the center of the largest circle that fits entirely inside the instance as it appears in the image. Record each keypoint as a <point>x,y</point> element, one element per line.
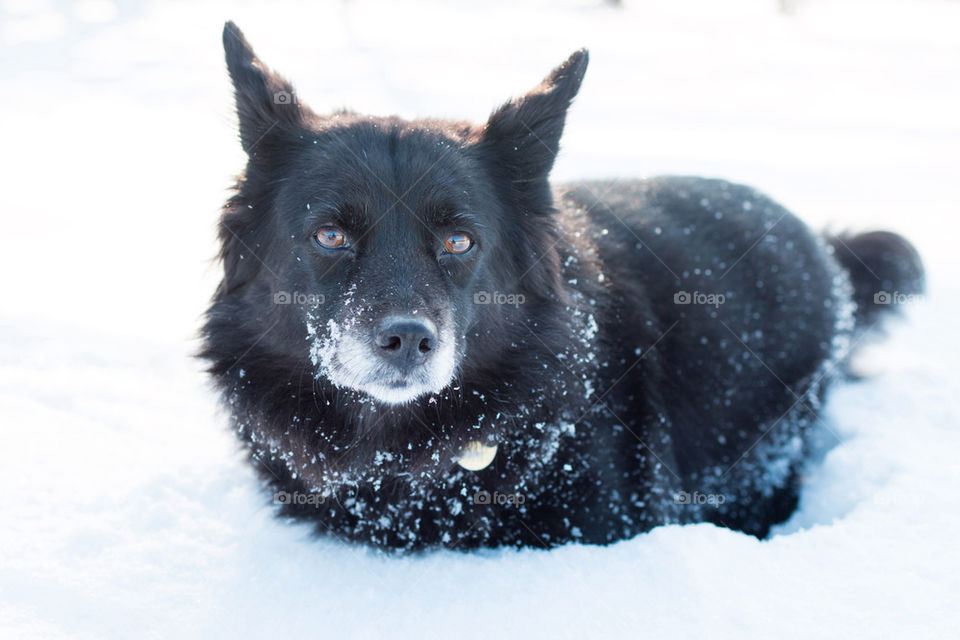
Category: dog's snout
<point>406,341</point>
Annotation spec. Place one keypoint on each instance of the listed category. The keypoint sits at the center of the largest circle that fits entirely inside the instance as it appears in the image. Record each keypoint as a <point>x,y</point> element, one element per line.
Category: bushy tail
<point>885,271</point>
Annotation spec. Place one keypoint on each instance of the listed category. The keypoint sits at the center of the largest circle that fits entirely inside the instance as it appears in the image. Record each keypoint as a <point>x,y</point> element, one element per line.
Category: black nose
<point>406,341</point>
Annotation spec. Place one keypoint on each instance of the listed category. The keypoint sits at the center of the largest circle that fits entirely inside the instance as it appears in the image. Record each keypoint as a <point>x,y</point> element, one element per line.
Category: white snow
<point>127,510</point>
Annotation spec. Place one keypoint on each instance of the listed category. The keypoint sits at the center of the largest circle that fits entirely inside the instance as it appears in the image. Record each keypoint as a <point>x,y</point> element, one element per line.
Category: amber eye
<point>331,238</point>
<point>458,243</point>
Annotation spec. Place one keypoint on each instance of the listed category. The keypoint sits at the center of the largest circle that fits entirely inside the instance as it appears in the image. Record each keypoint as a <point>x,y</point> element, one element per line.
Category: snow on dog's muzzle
<point>401,359</point>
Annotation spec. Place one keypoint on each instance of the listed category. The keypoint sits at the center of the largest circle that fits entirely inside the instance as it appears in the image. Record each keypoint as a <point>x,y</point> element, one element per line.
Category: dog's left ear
<point>267,106</point>
<point>526,131</point>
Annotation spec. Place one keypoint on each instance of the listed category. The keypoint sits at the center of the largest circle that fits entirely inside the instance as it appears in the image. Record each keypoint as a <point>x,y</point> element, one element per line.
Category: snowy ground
<point>126,510</point>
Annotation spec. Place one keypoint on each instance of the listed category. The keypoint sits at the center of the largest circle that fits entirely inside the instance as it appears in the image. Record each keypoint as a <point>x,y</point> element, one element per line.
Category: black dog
<point>422,344</point>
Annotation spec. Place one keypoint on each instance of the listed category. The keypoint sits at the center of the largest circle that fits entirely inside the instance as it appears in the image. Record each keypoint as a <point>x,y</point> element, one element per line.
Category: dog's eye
<point>331,238</point>
<point>458,243</point>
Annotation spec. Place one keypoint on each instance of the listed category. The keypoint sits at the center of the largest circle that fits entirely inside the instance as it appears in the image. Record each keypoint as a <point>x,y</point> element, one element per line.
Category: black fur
<point>616,406</point>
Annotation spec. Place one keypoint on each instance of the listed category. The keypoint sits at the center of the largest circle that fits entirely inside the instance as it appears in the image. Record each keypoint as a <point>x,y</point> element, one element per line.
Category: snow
<point>127,509</point>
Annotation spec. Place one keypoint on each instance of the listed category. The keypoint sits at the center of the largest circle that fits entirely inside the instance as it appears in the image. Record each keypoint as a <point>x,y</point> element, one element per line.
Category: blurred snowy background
<point>126,510</point>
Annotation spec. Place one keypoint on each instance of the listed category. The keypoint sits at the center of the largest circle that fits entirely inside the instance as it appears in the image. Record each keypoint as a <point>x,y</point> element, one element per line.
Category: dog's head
<point>380,253</point>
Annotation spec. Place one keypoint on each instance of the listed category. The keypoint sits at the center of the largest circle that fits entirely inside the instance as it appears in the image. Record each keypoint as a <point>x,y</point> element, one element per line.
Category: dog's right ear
<point>266,103</point>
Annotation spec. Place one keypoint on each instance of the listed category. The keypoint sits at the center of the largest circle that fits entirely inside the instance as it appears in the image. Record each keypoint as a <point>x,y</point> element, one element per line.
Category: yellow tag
<point>476,456</point>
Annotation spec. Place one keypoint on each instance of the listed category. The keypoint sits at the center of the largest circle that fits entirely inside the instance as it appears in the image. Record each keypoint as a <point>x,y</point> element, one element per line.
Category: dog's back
<point>754,316</point>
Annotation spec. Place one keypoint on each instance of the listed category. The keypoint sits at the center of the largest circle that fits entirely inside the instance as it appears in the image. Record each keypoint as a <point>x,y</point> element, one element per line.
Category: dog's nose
<point>406,341</point>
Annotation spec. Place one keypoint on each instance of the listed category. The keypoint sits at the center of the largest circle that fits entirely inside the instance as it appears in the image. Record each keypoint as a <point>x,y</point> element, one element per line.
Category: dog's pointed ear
<point>526,131</point>
<point>265,101</point>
